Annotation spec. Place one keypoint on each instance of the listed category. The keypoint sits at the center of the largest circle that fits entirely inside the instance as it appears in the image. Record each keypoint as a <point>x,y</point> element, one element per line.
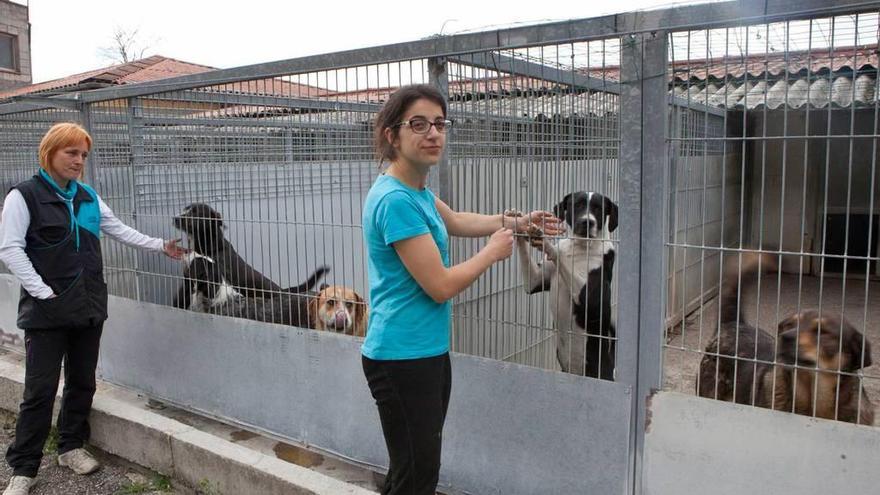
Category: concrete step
<point>205,454</point>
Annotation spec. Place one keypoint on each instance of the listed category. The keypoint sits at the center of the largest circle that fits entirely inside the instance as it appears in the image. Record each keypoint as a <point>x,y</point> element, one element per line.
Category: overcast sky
<point>67,35</point>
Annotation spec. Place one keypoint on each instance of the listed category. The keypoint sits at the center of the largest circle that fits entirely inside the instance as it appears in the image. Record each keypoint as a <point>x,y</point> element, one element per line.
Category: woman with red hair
<point>50,240</point>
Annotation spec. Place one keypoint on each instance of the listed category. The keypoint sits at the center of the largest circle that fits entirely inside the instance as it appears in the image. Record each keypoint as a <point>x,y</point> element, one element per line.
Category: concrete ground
<point>116,476</point>
<point>835,296</point>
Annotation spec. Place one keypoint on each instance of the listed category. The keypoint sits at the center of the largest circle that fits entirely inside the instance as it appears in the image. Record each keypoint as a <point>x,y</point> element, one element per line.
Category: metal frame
<point>643,166</point>
<point>672,19</point>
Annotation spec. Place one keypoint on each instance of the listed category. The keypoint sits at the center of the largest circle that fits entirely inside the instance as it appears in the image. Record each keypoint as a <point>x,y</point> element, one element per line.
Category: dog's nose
<point>583,226</point>
<point>340,319</point>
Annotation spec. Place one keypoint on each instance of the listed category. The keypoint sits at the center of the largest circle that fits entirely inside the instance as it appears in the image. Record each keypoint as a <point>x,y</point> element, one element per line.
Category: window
<point>7,52</point>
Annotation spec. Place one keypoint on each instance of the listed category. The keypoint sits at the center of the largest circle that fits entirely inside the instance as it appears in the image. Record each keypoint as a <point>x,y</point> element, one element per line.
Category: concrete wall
<point>705,210</point>
<point>14,21</point>
<point>510,430</point>
<point>786,178</point>
<point>695,445</point>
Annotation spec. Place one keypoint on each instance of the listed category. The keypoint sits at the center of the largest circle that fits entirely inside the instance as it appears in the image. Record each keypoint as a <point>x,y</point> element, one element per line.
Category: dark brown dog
<point>820,355</point>
<point>810,372</point>
<point>739,354</point>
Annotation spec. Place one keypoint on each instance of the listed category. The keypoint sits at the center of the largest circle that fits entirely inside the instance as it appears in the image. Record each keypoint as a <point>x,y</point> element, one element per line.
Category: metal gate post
<point>135,159</point>
<point>643,228</point>
<point>93,163</point>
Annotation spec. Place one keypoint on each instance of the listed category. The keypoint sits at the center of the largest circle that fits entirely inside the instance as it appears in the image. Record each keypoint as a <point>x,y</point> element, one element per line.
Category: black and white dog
<point>577,271</point>
<point>212,293</point>
<point>203,286</point>
<point>215,273</point>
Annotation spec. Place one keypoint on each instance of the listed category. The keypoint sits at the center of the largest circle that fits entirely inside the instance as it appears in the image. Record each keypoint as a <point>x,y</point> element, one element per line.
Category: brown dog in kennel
<point>339,309</point>
<point>810,368</point>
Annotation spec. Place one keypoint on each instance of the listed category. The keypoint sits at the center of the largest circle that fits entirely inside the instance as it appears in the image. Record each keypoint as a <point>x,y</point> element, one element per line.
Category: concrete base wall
<point>170,447</point>
<point>510,429</point>
<point>696,445</point>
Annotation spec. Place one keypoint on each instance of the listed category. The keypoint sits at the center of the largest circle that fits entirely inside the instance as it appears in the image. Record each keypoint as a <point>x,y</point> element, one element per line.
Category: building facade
<point>15,45</point>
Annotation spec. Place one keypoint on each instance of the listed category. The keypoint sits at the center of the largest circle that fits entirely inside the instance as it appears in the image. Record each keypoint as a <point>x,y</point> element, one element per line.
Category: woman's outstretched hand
<point>545,221</point>
<point>172,250</point>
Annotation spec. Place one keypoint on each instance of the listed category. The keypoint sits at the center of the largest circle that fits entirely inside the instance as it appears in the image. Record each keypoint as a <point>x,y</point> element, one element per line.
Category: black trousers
<point>45,349</point>
<point>412,396</point>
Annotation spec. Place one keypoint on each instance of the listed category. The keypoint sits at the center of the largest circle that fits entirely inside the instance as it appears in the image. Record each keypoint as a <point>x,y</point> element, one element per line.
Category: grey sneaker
<point>18,485</point>
<point>79,460</point>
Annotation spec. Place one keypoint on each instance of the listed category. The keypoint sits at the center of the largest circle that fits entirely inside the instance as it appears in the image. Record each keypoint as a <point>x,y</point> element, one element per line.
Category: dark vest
<point>74,274</point>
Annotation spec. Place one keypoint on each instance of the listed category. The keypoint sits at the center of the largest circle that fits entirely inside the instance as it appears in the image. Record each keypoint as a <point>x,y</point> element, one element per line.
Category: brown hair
<point>394,109</point>
<point>60,136</point>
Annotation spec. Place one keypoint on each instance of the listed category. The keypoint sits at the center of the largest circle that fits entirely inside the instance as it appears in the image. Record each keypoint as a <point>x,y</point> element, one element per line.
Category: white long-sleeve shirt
<point>14,224</point>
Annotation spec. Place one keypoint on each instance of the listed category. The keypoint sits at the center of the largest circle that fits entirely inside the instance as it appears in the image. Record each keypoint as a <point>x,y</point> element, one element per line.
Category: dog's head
<point>203,225</point>
<point>340,309</point>
<point>589,214</point>
<point>812,340</point>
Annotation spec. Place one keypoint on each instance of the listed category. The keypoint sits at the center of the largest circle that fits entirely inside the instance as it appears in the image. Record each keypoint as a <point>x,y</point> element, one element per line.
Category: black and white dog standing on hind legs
<point>577,271</point>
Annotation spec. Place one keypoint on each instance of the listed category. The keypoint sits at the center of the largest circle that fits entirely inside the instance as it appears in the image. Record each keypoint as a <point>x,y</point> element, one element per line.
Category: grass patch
<point>207,488</point>
<point>135,487</point>
<point>162,483</point>
<point>51,445</point>
<point>159,483</point>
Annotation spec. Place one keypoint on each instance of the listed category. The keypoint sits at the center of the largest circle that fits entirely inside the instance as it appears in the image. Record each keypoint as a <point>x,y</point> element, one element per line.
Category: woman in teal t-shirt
<point>406,230</point>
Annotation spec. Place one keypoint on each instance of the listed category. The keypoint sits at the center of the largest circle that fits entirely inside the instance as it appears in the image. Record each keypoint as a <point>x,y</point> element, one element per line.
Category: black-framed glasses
<point>423,126</point>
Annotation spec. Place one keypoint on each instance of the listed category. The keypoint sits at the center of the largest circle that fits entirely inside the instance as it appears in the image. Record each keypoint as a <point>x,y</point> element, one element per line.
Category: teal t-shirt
<point>405,323</point>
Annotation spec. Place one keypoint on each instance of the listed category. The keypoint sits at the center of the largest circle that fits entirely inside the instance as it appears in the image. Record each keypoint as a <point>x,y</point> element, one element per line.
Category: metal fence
<point>288,160</point>
<point>794,177</point>
<point>720,132</point>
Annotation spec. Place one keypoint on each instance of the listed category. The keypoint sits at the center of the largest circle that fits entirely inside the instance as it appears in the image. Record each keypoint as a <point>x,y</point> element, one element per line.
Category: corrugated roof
<point>776,64</point>
<point>820,77</point>
<point>819,92</point>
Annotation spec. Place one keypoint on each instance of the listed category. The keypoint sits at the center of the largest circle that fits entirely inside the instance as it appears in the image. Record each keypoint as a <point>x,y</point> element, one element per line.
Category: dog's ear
<point>312,313</point>
<point>854,340</point>
<point>801,321</point>
<point>560,209</point>
<point>357,297</point>
<point>216,218</point>
<point>868,361</point>
<point>788,323</point>
<point>323,286</point>
<point>361,317</point>
<point>610,213</point>
<point>213,225</point>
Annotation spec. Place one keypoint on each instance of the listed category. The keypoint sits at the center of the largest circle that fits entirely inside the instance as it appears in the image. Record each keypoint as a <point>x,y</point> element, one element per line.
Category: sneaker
<point>19,485</point>
<point>79,460</point>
